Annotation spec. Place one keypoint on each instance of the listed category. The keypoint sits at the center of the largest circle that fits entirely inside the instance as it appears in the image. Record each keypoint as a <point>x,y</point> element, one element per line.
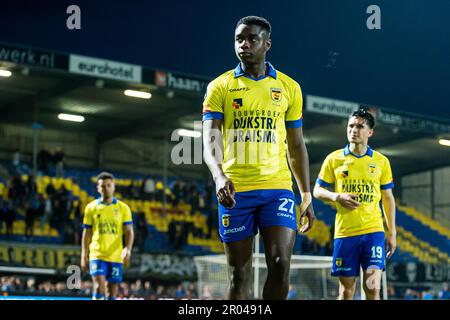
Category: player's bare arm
<point>212,139</point>
<point>85,242</point>
<point>299,163</point>
<point>347,200</point>
<point>388,202</point>
<point>129,238</point>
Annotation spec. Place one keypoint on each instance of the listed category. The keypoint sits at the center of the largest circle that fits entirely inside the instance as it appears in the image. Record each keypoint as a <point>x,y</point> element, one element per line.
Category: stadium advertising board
<point>341,108</point>
<point>330,107</point>
<point>180,82</point>
<point>39,256</point>
<point>162,266</point>
<point>413,272</point>
<point>32,57</point>
<point>105,68</point>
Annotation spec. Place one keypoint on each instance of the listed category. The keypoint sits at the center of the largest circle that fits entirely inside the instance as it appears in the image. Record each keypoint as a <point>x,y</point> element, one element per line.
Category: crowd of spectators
<point>55,207</point>
<point>136,289</point>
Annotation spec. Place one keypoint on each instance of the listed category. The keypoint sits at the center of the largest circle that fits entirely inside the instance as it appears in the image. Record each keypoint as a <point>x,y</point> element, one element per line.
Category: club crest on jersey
<point>116,211</point>
<point>338,262</point>
<point>344,173</point>
<point>275,94</point>
<point>237,103</point>
<point>226,220</point>
<point>372,168</point>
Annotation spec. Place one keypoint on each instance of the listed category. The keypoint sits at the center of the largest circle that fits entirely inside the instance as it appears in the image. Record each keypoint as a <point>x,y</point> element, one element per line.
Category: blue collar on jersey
<point>270,71</point>
<point>99,201</point>
<point>347,151</point>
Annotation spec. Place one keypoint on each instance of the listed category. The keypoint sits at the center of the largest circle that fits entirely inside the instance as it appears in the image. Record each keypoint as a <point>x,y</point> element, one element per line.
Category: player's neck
<point>255,70</point>
<point>108,200</point>
<point>358,149</point>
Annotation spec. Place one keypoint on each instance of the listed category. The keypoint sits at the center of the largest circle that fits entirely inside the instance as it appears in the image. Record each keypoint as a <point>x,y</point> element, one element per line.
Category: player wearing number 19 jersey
<point>361,178</point>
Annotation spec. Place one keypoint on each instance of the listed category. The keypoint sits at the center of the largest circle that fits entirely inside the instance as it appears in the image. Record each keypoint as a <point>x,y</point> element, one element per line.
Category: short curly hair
<point>255,20</point>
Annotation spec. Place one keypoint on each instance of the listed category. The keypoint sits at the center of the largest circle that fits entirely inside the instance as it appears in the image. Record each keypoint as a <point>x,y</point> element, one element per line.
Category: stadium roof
<point>44,84</point>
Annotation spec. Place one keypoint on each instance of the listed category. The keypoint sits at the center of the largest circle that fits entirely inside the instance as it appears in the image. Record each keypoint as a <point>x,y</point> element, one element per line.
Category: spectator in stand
<point>142,230</point>
<point>149,188</point>
<point>176,190</point>
<point>58,160</point>
<point>427,295</point>
<point>444,294</point>
<point>30,285</point>
<point>410,294</point>
<point>159,191</point>
<point>180,293</point>
<point>206,293</point>
<point>148,289</point>
<point>17,192</point>
<point>44,158</point>
<point>50,189</point>
<point>134,190</point>
<point>10,216</point>
<point>30,186</point>
<point>192,291</point>
<point>76,222</point>
<point>17,163</point>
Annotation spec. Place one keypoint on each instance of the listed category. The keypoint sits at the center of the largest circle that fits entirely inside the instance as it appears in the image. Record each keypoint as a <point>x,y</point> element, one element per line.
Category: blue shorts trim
<point>257,209</point>
<point>365,251</point>
<point>111,270</point>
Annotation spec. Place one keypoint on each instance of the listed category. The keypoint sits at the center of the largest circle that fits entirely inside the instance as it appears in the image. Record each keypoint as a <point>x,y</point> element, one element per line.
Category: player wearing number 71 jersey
<point>361,178</point>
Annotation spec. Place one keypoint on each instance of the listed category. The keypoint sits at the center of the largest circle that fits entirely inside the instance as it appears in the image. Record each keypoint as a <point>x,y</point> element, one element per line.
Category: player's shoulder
<point>379,155</point>
<point>92,204</point>
<point>223,79</point>
<point>122,204</point>
<point>287,80</point>
<point>336,154</point>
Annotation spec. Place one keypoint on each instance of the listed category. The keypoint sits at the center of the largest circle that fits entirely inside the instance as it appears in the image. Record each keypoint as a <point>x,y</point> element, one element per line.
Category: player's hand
<point>126,256</point>
<point>348,201</point>
<point>391,244</point>
<point>307,215</point>
<point>84,263</point>
<point>225,191</point>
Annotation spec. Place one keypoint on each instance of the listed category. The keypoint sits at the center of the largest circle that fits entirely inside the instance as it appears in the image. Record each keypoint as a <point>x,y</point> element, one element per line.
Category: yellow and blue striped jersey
<point>106,221</point>
<point>364,176</point>
<point>255,114</point>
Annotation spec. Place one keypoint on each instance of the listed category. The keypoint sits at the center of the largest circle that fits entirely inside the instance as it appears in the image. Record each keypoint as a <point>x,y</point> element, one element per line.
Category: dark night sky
<point>404,66</point>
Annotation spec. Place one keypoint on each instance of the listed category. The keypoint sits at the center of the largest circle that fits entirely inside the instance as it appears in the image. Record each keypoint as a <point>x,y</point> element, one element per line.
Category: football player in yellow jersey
<point>248,115</point>
<point>106,220</point>
<point>361,178</point>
